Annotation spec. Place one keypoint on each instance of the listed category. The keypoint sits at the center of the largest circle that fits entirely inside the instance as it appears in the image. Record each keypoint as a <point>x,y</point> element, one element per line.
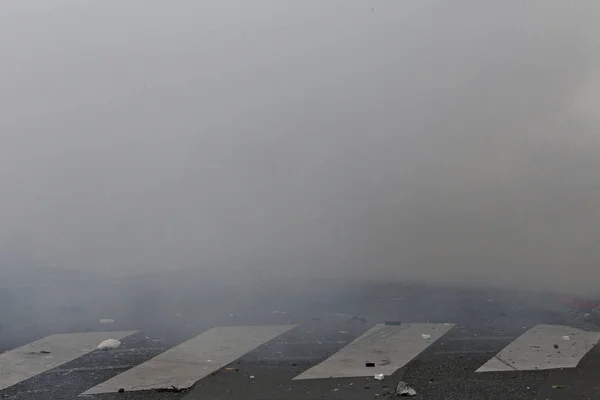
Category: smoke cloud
<point>451,142</point>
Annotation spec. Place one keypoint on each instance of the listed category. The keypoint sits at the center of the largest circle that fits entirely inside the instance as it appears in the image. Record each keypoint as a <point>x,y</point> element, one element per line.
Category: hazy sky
<point>445,140</point>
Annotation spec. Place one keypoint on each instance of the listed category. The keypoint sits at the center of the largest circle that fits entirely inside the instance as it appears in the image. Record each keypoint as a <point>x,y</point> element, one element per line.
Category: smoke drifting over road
<point>438,141</point>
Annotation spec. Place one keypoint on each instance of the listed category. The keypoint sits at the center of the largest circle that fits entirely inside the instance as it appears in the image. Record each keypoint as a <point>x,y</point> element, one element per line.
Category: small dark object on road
<point>361,319</point>
<point>44,352</point>
<point>556,346</point>
<point>393,322</point>
<point>121,390</point>
<point>369,364</point>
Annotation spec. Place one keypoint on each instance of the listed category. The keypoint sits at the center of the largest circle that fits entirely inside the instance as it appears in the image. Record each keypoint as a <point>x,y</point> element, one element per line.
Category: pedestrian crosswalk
<point>382,349</point>
<point>50,352</point>
<point>389,347</point>
<point>195,359</point>
<point>543,347</point>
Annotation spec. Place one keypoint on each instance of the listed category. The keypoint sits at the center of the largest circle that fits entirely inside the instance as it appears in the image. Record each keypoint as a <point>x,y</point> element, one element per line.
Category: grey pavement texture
<point>329,315</point>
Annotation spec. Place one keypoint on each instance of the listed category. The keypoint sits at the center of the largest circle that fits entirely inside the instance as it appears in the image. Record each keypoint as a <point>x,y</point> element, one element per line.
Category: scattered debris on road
<point>379,377</point>
<point>425,336</point>
<point>107,321</point>
<point>121,390</point>
<point>557,386</point>
<point>369,364</point>
<point>556,346</point>
<point>566,337</point>
<point>109,344</point>
<point>172,389</point>
<point>252,377</point>
<point>402,389</point>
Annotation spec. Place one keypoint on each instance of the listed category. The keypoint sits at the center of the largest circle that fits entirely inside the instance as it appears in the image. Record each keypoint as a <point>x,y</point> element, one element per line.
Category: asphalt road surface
<point>183,338</point>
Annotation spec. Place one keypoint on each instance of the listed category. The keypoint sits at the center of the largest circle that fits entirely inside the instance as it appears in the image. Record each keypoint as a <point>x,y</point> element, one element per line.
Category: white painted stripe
<point>193,360</point>
<point>535,349</point>
<point>389,346</point>
<point>42,355</point>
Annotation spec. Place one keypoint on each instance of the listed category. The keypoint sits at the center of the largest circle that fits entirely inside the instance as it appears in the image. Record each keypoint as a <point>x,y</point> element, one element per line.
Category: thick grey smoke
<point>445,141</point>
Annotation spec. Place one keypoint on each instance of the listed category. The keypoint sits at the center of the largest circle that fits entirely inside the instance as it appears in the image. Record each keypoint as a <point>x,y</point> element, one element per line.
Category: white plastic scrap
<point>107,321</point>
<point>566,337</point>
<point>109,344</point>
<point>425,336</point>
<point>404,390</point>
<point>379,377</point>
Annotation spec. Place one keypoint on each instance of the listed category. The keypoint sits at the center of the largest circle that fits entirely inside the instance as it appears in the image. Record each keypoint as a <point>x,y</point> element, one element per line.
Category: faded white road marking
<point>193,360</point>
<point>42,355</point>
<point>542,347</point>
<point>388,346</point>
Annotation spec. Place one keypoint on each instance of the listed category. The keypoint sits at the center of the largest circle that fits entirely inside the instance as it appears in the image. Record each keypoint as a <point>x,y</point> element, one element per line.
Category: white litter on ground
<point>109,344</point>
<point>379,377</point>
<point>107,321</point>
<point>425,336</point>
<point>404,390</point>
<point>566,337</point>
